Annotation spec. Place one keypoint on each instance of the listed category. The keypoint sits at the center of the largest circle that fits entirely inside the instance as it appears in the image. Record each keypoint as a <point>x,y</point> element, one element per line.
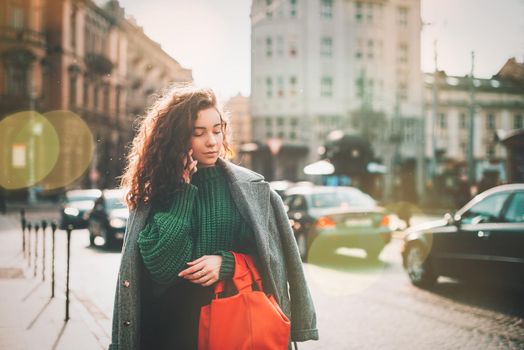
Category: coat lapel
<point>252,200</point>
<point>252,197</point>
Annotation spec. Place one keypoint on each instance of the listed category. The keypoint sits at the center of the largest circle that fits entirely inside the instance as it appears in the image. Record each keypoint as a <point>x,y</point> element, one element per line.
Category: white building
<point>322,65</point>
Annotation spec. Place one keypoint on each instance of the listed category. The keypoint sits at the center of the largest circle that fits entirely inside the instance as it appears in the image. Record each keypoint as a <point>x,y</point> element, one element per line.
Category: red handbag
<point>249,319</point>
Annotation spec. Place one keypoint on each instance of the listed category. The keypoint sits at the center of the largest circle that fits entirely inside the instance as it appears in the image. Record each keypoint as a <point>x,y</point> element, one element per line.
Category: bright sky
<point>212,37</point>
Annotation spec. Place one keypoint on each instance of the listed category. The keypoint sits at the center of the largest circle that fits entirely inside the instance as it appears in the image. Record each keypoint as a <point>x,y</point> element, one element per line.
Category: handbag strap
<point>243,277</point>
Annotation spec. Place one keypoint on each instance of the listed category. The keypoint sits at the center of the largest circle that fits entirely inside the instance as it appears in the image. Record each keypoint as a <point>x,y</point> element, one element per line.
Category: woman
<point>188,208</point>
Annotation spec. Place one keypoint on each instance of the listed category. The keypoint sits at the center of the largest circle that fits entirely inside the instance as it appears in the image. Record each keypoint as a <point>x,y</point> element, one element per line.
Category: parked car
<point>74,207</point>
<point>337,217</point>
<point>108,218</point>
<point>483,241</point>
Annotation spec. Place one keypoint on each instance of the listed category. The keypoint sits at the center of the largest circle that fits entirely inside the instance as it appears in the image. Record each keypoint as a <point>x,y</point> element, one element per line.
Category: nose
<point>211,139</point>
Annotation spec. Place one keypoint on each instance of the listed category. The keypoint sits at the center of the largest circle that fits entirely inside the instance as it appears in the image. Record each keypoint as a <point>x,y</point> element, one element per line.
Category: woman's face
<point>207,137</point>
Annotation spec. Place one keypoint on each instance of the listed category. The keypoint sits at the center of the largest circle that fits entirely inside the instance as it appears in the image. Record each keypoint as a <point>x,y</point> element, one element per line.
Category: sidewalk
<point>29,318</point>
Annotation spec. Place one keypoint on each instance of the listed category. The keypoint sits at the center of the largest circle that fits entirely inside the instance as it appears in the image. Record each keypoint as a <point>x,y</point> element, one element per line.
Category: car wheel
<point>302,246</point>
<point>418,268</point>
<point>108,237</point>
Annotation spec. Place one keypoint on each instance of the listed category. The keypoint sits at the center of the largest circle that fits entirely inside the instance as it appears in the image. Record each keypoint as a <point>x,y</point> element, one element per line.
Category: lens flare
<point>29,149</point>
<point>76,149</point>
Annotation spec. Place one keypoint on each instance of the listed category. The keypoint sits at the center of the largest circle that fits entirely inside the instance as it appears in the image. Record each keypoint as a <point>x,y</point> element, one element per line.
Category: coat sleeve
<point>303,316</point>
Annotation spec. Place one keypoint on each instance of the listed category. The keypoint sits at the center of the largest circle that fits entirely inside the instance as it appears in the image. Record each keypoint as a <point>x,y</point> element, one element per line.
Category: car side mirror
<point>452,219</point>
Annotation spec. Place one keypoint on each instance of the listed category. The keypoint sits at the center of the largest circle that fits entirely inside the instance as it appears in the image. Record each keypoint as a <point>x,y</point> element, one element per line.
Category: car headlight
<point>71,211</point>
<point>117,223</point>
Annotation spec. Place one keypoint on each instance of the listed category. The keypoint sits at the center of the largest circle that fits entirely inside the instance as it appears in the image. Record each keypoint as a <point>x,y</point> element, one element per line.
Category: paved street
<point>360,304</point>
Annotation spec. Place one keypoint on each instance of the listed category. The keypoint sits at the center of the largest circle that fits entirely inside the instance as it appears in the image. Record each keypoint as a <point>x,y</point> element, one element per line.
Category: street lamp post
<point>471,126</point>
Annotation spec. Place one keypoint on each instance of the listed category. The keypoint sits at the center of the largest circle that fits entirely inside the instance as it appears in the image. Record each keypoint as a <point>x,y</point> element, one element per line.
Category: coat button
<point>125,283</point>
<point>127,323</point>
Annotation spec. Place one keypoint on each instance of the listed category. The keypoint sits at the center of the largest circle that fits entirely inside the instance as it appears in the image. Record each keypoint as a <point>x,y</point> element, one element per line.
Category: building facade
<point>495,105</point>
<point>91,61</point>
<point>325,65</point>
<point>239,118</point>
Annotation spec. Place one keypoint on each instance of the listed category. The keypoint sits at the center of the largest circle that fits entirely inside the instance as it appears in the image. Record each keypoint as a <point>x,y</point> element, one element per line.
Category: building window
<point>269,10</point>
<point>293,135</point>
<point>326,8</point>
<point>326,47</point>
<point>17,80</point>
<point>73,27</point>
<point>95,97</point>
<point>281,135</point>
<point>326,87</point>
<point>280,121</point>
<point>358,55</point>
<point>490,122</point>
<point>371,45</point>
<point>358,11</point>
<point>269,87</point>
<point>17,17</point>
<point>280,86</point>
<point>72,90</point>
<point>269,47</point>
<point>294,122</point>
<point>403,52</point>
<point>490,150</point>
<point>293,84</point>
<point>106,98</point>
<point>442,120</point>
<point>85,92</point>
<point>117,100</point>
<point>293,8</point>
<point>403,13</point>
<point>293,51</point>
<point>518,121</point>
<point>463,121</point>
<point>269,122</point>
<point>370,12</point>
<point>280,46</point>
<point>403,90</point>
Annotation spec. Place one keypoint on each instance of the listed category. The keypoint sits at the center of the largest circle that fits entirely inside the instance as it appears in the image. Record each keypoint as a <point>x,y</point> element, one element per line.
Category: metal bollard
<point>24,223</point>
<point>53,230</point>
<point>37,228</point>
<point>29,227</point>
<point>44,226</point>
<point>68,230</point>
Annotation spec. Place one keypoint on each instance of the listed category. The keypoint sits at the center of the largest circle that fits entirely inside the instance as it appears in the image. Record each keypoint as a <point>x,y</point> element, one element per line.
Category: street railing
<point>30,250</point>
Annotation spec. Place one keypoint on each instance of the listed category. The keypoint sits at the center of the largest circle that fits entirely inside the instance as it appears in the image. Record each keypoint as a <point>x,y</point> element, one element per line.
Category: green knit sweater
<point>202,220</point>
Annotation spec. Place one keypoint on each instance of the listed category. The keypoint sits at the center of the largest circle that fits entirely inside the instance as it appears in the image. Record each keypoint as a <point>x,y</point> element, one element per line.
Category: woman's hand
<point>190,167</point>
<point>204,270</point>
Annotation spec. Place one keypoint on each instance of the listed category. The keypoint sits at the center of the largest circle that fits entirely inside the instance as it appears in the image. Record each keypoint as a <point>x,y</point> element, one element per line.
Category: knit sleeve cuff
<point>228,265</point>
<point>183,203</point>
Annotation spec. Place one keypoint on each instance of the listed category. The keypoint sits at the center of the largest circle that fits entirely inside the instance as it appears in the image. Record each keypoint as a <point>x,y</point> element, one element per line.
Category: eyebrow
<point>204,128</point>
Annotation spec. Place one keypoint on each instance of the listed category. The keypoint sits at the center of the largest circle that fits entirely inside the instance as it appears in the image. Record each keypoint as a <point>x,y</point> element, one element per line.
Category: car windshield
<point>342,199</point>
<point>115,203</point>
<point>80,198</point>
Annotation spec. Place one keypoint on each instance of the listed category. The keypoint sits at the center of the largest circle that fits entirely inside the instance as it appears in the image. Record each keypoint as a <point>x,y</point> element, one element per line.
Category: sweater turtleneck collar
<point>206,174</point>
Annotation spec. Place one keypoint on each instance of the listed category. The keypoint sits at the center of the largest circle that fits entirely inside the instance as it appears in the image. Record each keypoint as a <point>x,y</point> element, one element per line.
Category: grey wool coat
<point>275,243</point>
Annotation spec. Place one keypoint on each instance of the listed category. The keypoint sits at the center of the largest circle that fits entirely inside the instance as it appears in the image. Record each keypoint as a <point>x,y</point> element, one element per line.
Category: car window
<point>299,203</point>
<point>487,210</point>
<point>342,199</point>
<point>515,212</point>
<point>115,203</point>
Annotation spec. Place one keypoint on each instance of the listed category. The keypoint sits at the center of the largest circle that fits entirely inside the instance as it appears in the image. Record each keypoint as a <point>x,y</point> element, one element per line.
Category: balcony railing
<point>22,35</point>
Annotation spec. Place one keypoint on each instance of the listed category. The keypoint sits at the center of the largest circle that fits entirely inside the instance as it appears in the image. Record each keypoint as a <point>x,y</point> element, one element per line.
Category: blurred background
<point>366,116</point>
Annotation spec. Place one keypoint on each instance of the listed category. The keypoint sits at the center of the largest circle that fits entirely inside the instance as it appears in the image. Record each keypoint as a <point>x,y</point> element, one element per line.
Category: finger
<point>191,270</point>
<point>202,258</point>
<point>210,282</point>
<point>201,279</point>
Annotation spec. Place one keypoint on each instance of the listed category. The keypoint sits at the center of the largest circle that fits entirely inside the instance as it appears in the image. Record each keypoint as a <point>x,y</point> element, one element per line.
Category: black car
<point>75,205</point>
<point>333,217</point>
<point>483,241</point>
<point>108,218</point>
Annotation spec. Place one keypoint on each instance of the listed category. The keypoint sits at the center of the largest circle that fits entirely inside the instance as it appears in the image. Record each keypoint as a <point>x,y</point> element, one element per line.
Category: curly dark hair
<point>156,160</point>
